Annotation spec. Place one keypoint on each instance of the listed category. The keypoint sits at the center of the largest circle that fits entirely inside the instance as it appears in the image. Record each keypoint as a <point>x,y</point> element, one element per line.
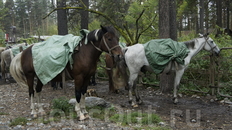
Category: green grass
<point>136,118</point>
<point>18,121</point>
<point>3,113</point>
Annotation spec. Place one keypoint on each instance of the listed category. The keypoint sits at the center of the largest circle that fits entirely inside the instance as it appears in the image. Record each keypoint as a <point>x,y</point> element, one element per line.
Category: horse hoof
<point>175,101</point>
<point>135,106</point>
<point>140,102</point>
<point>34,116</point>
<point>83,117</point>
<point>42,113</point>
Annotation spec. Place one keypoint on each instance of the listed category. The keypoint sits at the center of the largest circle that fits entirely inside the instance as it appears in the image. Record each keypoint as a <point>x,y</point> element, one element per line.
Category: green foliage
<point>3,113</point>
<point>19,121</point>
<point>94,24</point>
<point>62,104</point>
<point>136,118</point>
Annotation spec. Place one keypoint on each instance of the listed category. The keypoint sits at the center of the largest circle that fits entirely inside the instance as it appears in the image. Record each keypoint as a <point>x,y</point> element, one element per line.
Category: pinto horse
<point>83,67</point>
<point>136,60</point>
<point>6,57</point>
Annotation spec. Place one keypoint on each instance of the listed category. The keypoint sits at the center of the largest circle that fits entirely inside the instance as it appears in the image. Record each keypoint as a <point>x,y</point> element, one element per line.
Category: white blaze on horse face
<point>96,37</point>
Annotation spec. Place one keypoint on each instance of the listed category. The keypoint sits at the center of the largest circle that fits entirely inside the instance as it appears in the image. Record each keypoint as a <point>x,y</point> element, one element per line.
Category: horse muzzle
<point>118,58</point>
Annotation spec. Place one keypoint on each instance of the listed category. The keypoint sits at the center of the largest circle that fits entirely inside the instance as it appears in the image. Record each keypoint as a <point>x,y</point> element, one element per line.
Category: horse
<point>136,61</point>
<point>7,55</point>
<point>117,74</point>
<point>84,65</point>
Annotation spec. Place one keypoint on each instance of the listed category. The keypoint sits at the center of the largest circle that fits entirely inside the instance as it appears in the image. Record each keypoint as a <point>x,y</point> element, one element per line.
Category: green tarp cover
<point>160,52</point>
<point>51,56</point>
<point>16,50</point>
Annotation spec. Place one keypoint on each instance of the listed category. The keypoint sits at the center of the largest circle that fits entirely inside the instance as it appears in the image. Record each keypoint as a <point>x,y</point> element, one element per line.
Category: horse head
<point>210,45</point>
<point>109,42</point>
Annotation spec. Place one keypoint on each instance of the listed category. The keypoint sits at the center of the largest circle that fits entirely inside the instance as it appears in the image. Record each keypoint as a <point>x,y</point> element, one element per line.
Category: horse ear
<point>200,35</point>
<point>206,35</point>
<point>104,30</point>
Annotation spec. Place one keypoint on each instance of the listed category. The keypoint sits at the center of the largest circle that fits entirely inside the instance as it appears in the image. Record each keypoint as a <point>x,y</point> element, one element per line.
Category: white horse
<point>136,60</point>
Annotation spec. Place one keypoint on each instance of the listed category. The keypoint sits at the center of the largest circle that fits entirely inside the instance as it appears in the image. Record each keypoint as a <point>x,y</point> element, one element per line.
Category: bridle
<point>212,47</point>
<point>109,49</point>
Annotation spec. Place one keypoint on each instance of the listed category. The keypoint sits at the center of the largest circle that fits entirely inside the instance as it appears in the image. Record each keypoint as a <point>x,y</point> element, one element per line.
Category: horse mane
<point>96,35</point>
<point>190,43</point>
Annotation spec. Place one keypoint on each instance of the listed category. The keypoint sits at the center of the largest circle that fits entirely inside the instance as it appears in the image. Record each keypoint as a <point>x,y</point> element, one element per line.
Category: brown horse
<point>83,67</point>
<point>117,74</point>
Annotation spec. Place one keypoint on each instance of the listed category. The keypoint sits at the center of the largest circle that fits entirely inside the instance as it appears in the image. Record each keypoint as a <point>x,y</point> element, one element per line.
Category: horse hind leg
<point>138,99</point>
<point>178,75</point>
<point>131,85</point>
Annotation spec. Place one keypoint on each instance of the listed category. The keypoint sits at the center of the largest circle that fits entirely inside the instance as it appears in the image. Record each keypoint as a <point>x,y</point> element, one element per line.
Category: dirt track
<point>190,113</point>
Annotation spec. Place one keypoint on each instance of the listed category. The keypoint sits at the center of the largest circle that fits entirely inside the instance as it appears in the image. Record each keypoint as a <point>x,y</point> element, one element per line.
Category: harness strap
<point>109,49</point>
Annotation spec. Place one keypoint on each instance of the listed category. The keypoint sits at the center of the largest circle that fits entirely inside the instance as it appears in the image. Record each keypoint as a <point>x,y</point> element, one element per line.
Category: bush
<point>62,104</point>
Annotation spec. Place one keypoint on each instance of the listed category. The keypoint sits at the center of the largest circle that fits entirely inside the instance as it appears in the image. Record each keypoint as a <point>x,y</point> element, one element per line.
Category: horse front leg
<point>80,98</point>
<point>178,76</point>
<point>38,95</point>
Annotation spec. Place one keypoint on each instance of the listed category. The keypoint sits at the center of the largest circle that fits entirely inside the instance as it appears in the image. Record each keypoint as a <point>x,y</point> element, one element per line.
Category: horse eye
<point>109,39</point>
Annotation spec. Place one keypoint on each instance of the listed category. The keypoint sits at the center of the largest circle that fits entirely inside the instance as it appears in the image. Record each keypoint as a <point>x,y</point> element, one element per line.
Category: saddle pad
<point>51,56</point>
<point>160,52</point>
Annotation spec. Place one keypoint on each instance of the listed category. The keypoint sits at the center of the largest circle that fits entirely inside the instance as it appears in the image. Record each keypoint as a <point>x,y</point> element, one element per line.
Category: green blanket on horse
<point>160,52</point>
<point>51,56</point>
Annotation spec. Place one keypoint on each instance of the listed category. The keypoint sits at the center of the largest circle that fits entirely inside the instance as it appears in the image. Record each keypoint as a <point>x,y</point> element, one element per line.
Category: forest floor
<point>191,113</point>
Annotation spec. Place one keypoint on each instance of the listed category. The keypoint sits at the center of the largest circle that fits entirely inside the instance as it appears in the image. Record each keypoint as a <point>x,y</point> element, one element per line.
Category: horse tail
<point>16,70</point>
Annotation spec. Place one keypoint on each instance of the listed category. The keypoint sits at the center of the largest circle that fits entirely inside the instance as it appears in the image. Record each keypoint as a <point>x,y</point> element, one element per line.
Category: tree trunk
<point>219,13</point>
<point>85,16</point>
<point>173,24</point>
<point>166,81</point>
<point>201,29</point>
<point>62,18</point>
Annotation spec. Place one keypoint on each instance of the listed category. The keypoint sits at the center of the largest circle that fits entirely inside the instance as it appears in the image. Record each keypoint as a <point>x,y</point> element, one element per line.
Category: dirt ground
<point>191,113</point>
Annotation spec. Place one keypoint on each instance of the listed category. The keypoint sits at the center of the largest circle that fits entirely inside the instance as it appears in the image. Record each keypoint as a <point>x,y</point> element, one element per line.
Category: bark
<point>62,18</point>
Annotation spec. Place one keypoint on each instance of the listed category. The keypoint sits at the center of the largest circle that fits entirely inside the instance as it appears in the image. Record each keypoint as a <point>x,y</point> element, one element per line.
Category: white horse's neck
<point>199,44</point>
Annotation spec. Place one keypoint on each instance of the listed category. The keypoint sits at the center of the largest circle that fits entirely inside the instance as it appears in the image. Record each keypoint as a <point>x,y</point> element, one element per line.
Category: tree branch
<point>147,27</point>
<point>123,33</point>
<point>137,26</point>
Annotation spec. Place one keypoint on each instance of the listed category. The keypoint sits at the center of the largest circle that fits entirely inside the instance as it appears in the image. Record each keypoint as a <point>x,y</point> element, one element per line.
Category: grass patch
<point>136,118</point>
<point>19,121</point>
<point>61,105</point>
<point>3,113</point>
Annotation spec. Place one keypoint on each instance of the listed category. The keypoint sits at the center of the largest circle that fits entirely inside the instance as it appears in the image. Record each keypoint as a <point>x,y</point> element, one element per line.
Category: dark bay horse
<point>83,67</point>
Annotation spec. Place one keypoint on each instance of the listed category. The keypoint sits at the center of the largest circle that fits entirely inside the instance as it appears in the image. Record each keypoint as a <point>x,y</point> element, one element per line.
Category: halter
<point>109,49</point>
<point>206,41</point>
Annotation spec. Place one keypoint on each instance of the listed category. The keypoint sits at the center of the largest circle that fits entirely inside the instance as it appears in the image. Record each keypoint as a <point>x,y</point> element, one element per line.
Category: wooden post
<point>63,80</point>
<point>212,74</point>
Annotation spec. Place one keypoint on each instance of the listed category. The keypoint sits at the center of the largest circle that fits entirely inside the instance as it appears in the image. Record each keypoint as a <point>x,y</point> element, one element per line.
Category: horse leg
<point>79,94</point>
<point>138,99</point>
<point>3,70</point>
<point>82,101</point>
<point>82,106</point>
<point>38,95</point>
<point>178,75</point>
<point>131,83</point>
<point>30,83</point>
